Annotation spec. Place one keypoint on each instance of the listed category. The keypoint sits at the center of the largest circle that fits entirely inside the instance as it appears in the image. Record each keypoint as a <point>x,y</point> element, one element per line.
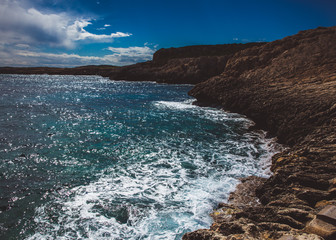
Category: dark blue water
<point>83,157</point>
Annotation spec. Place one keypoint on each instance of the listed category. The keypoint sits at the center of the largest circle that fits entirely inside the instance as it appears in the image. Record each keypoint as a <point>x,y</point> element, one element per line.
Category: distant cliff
<point>102,70</point>
<point>192,64</point>
<point>287,87</point>
<point>165,54</point>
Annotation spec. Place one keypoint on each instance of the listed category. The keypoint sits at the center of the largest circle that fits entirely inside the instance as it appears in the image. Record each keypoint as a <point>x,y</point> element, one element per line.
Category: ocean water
<point>84,157</point>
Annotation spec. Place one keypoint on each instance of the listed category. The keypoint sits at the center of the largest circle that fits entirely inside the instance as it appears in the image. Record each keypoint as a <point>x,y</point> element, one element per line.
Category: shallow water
<point>83,157</point>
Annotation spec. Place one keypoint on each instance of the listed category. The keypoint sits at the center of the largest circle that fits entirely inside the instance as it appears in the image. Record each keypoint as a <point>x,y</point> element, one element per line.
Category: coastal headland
<point>287,87</point>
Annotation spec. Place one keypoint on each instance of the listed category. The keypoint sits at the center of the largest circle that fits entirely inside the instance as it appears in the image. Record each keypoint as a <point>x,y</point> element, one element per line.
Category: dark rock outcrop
<point>287,87</point>
<point>179,70</point>
<point>163,55</point>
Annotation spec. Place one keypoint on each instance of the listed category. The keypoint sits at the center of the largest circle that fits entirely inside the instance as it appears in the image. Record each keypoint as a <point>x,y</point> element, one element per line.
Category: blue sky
<point>64,33</point>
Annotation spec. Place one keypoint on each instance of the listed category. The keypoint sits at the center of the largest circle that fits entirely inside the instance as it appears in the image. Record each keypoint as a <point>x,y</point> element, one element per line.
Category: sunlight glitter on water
<point>120,160</point>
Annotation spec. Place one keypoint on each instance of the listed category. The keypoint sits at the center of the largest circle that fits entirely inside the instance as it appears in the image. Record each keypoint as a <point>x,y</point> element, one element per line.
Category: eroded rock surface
<point>287,87</point>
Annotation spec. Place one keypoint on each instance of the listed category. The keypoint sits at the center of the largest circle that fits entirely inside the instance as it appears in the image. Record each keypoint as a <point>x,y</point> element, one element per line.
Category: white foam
<point>175,105</point>
<point>172,197</point>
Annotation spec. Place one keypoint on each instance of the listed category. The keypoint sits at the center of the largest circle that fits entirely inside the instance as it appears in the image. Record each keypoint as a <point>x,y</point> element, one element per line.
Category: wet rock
<point>244,194</point>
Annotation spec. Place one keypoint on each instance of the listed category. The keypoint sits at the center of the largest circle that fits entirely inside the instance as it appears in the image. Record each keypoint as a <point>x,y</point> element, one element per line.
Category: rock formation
<point>287,87</point>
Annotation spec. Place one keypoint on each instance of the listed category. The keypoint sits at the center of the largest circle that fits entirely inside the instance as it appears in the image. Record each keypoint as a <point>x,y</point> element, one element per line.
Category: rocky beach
<point>288,88</point>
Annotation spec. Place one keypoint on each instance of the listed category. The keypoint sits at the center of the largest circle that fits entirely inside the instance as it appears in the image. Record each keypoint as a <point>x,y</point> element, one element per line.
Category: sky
<point>68,33</point>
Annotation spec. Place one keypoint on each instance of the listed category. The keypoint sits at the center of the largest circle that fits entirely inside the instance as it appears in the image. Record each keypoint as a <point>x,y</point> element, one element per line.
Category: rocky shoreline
<point>288,87</point>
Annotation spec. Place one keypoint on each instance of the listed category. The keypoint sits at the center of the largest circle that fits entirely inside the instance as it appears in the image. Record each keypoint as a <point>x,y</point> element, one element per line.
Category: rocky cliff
<point>288,87</point>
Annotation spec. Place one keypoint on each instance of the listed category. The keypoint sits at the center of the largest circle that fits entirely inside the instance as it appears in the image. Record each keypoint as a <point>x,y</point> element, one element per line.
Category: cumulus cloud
<point>119,57</point>
<point>131,55</point>
<point>77,32</point>
<point>28,36</point>
<point>33,27</point>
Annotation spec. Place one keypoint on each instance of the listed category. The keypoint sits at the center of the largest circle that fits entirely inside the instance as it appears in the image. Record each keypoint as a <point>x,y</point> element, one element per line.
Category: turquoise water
<point>83,157</point>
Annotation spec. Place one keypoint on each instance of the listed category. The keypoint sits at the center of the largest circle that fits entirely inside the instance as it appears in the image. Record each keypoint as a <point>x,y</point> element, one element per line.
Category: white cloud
<point>54,55</point>
<point>20,45</point>
<point>25,33</point>
<point>144,52</point>
<point>131,55</point>
<point>77,32</point>
<point>31,26</point>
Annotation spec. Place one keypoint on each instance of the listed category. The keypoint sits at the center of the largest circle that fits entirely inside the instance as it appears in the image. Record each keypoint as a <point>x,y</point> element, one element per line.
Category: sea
<point>86,157</point>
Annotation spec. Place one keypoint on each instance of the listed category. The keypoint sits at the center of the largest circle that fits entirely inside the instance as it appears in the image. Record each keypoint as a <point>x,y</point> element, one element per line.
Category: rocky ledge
<point>288,87</point>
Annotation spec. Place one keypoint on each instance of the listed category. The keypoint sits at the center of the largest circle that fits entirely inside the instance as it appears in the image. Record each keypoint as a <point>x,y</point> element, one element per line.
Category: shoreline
<point>288,88</point>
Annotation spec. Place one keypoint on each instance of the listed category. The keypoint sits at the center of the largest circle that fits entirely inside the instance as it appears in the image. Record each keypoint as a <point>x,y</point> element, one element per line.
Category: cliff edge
<point>288,87</point>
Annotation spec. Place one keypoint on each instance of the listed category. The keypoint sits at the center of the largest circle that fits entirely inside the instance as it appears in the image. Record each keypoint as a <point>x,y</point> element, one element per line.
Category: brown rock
<point>203,234</point>
<point>244,194</point>
<point>328,214</point>
<point>322,228</point>
<point>288,237</point>
<point>300,236</point>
